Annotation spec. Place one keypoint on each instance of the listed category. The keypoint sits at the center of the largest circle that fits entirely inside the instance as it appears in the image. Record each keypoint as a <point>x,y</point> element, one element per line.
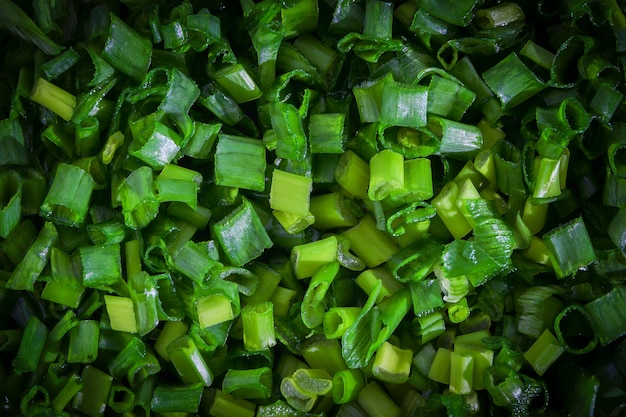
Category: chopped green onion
<point>404,105</point>
<point>238,83</point>
<point>188,361</point>
<point>570,247</point>
<point>242,221</point>
<point>84,342</point>
<point>376,402</point>
<point>233,169</point>
<point>67,201</point>
<point>313,305</point>
<point>290,192</point>
<point>248,383</point>
<point>54,98</point>
<point>369,243</point>
<point>258,326</point>
<point>127,50</point>
<point>392,364</point>
<point>31,346</point>
<point>10,202</point>
<point>34,260</point>
<point>93,397</point>
<point>544,352</point>
<point>512,81</point>
<point>177,398</point>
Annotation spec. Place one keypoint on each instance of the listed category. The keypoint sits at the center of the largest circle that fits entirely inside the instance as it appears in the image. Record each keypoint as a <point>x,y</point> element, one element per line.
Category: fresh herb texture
<point>312,207</point>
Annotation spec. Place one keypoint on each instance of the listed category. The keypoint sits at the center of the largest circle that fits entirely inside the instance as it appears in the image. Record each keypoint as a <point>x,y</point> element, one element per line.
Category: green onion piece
<point>448,98</point>
<point>449,212</point>
<point>544,352</point>
<point>93,397</point>
<point>222,106</point>
<point>182,191</point>
<point>66,286</point>
<point>327,133</point>
<point>290,192</point>
<point>242,221</point>
<point>512,81</point>
<point>84,342</point>
<point>87,136</point>
<point>322,57</point>
<point>31,346</point>
<point>386,174</point>
<point>574,330</point>
<point>392,364</point>
<point>333,210</point>
<point>248,383</point>
<point>459,14</point>
<point>101,266</point>
<point>282,298</point>
<point>457,139</point>
<point>429,326</point>
<point>153,142</point>
<point>34,260</point>
<point>369,243</point>
<point>504,385</point>
<point>11,189</point>
<point>176,398</point>
<point>308,257</point>
<point>299,17</point>
<point>404,105</point>
<point>461,373</point>
<point>121,399</point>
<point>287,125</point>
<point>440,368</point>
<point>113,143</point>
<point>606,101</point>
<point>20,24</point>
<point>61,63</point>
<point>214,309</point>
<point>313,381</point>
<point>296,397</point>
<point>72,387</point>
<point>368,279</point>
<point>171,331</point>
<point>139,202</point>
<point>54,98</point>
<point>258,326</point>
<point>378,19</point>
<point>369,98</point>
<point>140,371</point>
<point>240,162</point>
<point>201,143</point>
<point>509,177</point>
<point>127,50</point>
<point>226,405</point>
<point>482,358</point>
<point>121,313</point>
<point>547,182</point>
<point>133,352</point>
<point>188,361</point>
<point>570,247</point>
<point>313,305</point>
<point>376,402</point>
<point>426,295</point>
<point>237,82</point>
<point>500,15</point>
<point>415,261</point>
<point>143,292</point>
<point>606,314</point>
<point>347,384</point>
<point>352,173</point>
<point>338,319</point>
<point>418,182</point>
<point>107,233</point>
<point>68,199</point>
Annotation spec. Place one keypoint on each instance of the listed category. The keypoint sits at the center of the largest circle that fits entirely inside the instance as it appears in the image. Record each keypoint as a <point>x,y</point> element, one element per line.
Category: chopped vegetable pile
<point>312,207</point>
